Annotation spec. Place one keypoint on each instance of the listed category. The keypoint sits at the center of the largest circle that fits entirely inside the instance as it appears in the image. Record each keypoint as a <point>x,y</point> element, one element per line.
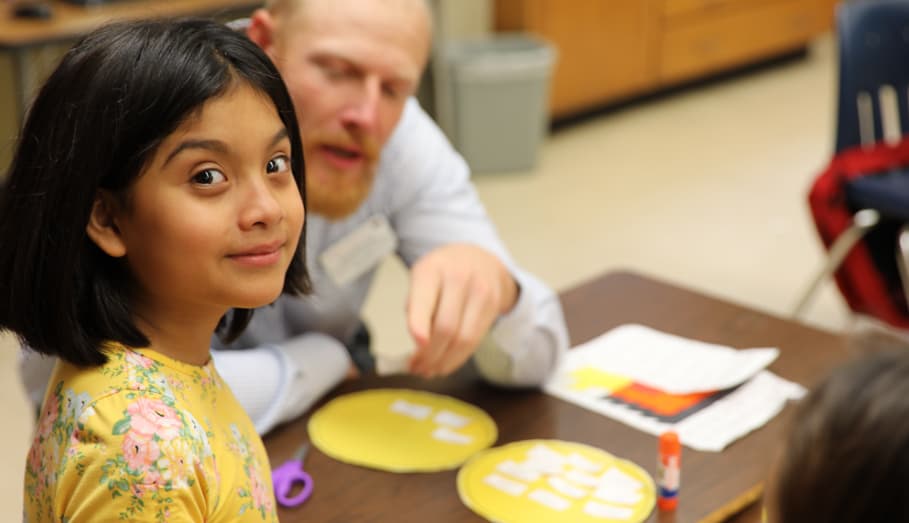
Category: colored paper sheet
<point>401,430</point>
<point>537,481</point>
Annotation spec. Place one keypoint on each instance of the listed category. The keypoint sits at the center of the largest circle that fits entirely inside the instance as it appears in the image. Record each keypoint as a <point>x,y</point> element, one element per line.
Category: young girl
<point>157,185</point>
<point>846,459</point>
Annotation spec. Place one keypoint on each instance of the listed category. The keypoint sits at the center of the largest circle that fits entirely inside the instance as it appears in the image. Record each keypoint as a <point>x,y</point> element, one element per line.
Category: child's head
<point>847,455</point>
<point>160,166</point>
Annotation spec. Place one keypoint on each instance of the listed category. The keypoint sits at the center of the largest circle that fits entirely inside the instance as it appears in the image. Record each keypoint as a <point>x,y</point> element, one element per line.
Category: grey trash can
<point>500,93</point>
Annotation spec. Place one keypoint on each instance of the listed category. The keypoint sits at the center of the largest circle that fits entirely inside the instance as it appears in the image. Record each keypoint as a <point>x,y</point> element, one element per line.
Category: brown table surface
<point>71,21</point>
<point>715,486</point>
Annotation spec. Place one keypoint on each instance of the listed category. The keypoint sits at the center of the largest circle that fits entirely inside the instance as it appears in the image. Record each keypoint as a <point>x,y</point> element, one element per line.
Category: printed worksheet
<point>653,381</point>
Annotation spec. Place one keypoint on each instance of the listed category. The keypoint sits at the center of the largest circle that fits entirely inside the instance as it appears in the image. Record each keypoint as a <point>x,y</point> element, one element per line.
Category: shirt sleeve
<point>144,469</point>
<point>289,376</point>
<point>441,206</point>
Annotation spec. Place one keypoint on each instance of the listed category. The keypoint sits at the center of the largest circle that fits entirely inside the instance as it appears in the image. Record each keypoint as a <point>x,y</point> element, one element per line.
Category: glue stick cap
<point>669,443</point>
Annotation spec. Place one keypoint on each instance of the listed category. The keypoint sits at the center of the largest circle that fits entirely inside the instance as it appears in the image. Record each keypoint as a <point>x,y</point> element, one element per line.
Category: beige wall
<point>39,62</point>
<point>8,111</point>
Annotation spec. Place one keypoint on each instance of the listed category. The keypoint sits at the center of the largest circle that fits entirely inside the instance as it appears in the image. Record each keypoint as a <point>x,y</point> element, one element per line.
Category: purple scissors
<point>289,475</point>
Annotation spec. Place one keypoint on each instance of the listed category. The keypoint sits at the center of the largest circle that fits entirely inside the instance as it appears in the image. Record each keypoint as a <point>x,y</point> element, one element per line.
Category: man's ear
<point>262,31</point>
<point>102,226</point>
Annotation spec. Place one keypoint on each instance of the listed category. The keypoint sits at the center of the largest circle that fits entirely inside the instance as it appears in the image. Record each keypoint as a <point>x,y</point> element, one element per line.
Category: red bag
<point>867,287</point>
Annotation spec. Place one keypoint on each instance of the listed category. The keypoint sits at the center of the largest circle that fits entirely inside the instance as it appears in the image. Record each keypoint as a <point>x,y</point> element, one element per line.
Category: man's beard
<point>337,193</point>
<point>337,201</point>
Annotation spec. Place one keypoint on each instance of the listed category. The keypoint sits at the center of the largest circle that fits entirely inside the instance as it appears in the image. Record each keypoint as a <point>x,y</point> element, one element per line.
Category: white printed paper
<point>549,499</point>
<point>506,485</point>
<point>519,471</point>
<point>449,418</point>
<point>617,495</point>
<point>413,410</point>
<point>544,460</point>
<point>670,363</point>
<point>582,478</point>
<point>724,416</point>
<point>580,462</point>
<point>449,436</point>
<point>564,487</point>
<point>615,478</point>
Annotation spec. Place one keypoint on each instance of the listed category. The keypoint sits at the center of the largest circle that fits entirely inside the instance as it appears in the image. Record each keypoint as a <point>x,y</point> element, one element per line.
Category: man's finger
<point>421,304</point>
<point>478,316</point>
<point>446,322</point>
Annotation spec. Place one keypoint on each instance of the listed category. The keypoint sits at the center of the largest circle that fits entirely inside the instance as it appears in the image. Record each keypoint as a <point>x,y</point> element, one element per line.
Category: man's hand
<point>456,292</point>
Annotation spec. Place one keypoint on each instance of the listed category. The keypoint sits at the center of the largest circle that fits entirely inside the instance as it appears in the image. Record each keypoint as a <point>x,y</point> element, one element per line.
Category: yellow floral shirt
<point>145,438</point>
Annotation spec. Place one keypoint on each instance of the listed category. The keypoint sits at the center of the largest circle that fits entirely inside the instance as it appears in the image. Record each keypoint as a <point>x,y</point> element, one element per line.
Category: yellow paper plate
<point>540,481</point>
<point>401,430</point>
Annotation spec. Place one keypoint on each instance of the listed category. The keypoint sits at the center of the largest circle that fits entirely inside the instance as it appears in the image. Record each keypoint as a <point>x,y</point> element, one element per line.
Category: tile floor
<point>705,187</point>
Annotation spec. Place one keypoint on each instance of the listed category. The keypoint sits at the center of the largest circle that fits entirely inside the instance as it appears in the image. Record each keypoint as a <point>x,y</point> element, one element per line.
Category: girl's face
<point>214,219</point>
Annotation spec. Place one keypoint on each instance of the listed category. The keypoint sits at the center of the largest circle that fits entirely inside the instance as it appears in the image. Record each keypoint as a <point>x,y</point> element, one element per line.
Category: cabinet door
<point>728,33</point>
<point>604,46</point>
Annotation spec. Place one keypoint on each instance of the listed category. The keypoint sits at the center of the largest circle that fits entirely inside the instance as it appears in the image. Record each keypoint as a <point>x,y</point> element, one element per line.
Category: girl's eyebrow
<point>216,145</point>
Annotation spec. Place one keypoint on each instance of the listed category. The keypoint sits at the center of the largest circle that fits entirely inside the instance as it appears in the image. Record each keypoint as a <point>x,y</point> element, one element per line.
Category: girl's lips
<point>259,256</point>
<point>258,260</point>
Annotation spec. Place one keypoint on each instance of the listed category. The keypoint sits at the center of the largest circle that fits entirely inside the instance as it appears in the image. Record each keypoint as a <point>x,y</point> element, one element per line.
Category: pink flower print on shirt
<point>261,495</point>
<point>135,359</point>
<point>49,416</point>
<point>35,459</point>
<point>36,474</point>
<point>257,495</point>
<point>139,452</point>
<point>152,480</point>
<point>151,416</point>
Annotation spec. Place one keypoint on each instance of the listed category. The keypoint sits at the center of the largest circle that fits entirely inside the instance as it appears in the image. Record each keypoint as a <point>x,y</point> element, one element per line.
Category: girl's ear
<point>102,226</point>
<point>261,31</point>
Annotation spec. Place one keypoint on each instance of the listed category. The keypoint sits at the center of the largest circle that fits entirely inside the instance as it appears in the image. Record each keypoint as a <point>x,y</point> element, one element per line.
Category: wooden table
<point>715,486</point>
<point>71,21</point>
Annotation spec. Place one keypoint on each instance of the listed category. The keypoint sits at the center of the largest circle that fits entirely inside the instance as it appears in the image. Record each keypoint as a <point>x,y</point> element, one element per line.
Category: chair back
<point>873,100</point>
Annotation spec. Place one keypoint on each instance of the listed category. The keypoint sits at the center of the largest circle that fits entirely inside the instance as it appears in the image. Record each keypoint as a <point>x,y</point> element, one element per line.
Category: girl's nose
<point>260,205</point>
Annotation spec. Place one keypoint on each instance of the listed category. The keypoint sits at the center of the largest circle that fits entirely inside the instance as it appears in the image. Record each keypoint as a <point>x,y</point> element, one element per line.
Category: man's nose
<point>363,112</point>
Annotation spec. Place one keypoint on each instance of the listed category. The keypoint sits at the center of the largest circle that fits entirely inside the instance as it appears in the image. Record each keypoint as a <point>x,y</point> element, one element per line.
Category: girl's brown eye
<point>277,164</point>
<point>208,177</point>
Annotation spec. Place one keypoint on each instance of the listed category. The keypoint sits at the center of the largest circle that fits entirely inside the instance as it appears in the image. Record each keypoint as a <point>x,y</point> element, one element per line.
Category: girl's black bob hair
<point>116,95</point>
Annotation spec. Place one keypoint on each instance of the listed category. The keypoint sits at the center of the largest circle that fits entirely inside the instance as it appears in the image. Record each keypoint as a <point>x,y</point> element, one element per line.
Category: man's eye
<point>277,165</point>
<point>339,71</point>
<point>208,177</point>
<point>390,91</point>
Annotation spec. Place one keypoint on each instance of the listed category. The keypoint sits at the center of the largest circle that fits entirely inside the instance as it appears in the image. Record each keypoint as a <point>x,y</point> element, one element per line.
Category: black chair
<point>873,108</point>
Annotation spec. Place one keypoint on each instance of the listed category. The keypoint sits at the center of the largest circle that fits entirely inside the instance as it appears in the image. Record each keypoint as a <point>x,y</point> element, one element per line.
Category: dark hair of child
<point>93,126</point>
<point>847,455</point>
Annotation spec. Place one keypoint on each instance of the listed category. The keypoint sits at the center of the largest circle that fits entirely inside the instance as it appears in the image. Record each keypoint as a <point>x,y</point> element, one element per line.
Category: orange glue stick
<point>669,467</point>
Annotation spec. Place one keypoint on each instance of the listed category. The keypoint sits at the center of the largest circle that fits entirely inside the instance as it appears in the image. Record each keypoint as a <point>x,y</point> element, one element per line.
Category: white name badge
<point>363,248</point>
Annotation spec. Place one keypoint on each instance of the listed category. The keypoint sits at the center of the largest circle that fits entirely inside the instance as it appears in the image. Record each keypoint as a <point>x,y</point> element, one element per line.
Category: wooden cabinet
<point>603,46</point>
<point>614,49</point>
<point>704,36</point>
